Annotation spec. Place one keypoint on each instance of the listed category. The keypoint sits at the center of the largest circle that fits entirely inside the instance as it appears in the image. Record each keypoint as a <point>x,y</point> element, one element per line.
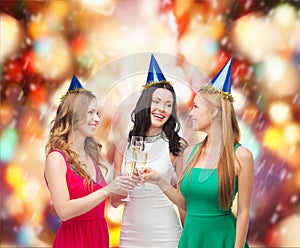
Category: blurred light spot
<point>26,235</point>
<point>251,35</point>
<point>292,133</point>
<point>14,178</point>
<point>239,100</point>
<point>8,142</point>
<point>100,6</point>
<point>284,15</point>
<point>11,33</point>
<point>278,77</point>
<point>42,46</point>
<point>280,112</point>
<point>273,138</point>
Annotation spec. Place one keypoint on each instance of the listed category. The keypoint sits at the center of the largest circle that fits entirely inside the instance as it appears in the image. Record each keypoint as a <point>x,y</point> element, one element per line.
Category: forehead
<point>199,100</point>
<point>93,104</point>
<point>163,94</point>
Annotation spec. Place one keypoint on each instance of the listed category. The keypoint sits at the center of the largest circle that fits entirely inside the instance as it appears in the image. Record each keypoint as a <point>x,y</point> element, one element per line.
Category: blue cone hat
<point>75,84</point>
<point>154,72</point>
<point>222,80</point>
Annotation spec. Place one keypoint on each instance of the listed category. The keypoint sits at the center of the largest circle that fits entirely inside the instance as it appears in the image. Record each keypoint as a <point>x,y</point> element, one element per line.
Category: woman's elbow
<point>63,215</point>
<point>183,207</point>
<point>244,213</point>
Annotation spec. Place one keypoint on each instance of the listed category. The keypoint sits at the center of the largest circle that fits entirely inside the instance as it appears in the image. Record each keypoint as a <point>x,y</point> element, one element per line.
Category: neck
<point>77,143</point>
<point>214,145</point>
<point>153,131</point>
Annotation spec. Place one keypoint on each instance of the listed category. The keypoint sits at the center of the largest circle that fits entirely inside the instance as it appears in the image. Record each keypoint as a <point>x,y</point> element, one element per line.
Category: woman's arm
<point>245,181</point>
<point>115,200</point>
<point>55,173</point>
<point>152,176</point>
<point>179,170</point>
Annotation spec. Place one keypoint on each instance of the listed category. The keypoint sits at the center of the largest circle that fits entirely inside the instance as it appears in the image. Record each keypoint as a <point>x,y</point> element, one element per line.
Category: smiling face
<point>161,108</point>
<point>201,119</point>
<point>89,123</point>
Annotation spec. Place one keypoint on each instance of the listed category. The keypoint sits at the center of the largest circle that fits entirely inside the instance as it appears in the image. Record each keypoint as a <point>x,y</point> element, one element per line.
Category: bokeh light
<point>10,36</point>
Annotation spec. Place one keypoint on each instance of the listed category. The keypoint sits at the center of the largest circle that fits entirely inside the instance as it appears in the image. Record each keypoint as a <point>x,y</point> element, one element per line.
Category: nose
<point>191,113</point>
<point>161,108</point>
<point>96,118</point>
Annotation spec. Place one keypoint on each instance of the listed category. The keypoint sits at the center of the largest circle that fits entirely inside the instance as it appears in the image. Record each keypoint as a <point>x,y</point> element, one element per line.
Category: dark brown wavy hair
<point>141,119</point>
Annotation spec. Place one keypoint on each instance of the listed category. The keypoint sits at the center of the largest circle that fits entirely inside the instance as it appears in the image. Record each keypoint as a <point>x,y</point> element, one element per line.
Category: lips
<point>93,126</point>
<point>158,116</point>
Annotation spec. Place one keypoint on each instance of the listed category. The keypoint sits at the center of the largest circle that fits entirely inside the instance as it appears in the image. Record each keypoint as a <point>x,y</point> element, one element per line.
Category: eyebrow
<point>160,99</point>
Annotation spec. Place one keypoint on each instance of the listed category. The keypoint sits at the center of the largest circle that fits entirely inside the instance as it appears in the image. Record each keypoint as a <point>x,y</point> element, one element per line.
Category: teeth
<point>158,116</point>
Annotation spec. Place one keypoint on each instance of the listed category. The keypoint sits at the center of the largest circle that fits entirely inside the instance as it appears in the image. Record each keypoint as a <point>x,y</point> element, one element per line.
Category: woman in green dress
<point>216,170</point>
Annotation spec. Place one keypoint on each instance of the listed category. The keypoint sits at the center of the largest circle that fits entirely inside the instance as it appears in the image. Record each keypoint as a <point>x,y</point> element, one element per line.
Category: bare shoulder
<point>245,157</point>
<point>55,157</point>
<point>243,153</point>
<point>55,162</point>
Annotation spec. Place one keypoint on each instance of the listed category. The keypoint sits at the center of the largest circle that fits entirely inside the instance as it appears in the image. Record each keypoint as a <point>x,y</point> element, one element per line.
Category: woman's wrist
<point>106,191</point>
<point>163,184</point>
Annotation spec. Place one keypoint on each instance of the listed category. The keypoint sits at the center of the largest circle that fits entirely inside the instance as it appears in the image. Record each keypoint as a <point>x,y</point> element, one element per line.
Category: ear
<point>214,112</point>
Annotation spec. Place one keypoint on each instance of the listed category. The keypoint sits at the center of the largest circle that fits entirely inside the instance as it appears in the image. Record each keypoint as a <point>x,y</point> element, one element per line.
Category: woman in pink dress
<point>73,172</point>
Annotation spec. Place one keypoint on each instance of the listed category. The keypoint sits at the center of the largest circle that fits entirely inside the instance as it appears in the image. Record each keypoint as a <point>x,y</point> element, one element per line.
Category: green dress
<point>205,225</point>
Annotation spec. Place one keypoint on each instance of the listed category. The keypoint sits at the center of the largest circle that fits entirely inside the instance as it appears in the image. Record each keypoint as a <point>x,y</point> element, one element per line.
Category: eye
<point>155,101</point>
<point>195,106</point>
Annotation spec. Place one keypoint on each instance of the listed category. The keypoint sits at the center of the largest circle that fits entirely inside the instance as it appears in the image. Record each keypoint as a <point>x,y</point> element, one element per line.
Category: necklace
<point>151,139</point>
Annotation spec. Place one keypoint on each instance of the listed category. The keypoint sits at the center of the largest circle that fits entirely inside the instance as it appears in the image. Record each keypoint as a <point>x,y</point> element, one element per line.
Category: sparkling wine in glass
<point>129,169</point>
<point>140,157</point>
<point>137,143</point>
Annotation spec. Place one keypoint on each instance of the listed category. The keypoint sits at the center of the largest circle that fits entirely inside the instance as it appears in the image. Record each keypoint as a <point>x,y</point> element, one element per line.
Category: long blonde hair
<point>231,136</point>
<point>70,113</point>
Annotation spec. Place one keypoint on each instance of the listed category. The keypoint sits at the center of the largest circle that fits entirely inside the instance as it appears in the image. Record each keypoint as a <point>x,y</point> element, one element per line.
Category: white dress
<point>149,219</point>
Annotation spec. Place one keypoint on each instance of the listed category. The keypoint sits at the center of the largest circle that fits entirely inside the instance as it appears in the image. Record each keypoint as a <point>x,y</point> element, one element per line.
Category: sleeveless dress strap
<point>237,145</point>
<point>192,152</point>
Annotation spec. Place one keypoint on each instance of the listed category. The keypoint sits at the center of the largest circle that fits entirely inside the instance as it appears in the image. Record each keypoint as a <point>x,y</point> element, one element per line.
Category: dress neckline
<point>202,168</point>
<point>151,139</point>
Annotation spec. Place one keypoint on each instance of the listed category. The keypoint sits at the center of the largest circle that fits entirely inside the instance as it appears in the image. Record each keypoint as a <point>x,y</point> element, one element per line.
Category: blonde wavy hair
<point>69,115</point>
<point>231,136</point>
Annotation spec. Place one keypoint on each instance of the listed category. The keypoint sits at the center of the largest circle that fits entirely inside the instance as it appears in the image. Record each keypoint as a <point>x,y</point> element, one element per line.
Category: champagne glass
<point>137,143</point>
<point>140,157</point>
<point>129,169</point>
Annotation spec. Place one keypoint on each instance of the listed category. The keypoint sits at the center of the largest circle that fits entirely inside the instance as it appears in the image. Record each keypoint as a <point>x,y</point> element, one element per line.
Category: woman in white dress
<point>149,218</point>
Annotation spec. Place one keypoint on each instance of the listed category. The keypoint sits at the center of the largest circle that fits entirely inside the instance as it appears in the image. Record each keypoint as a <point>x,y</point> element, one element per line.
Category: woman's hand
<point>150,176</point>
<point>121,185</point>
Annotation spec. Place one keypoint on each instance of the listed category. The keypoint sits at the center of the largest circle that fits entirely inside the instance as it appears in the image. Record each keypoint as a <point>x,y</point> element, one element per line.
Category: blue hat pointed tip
<point>75,84</point>
<point>154,73</point>
<point>222,80</point>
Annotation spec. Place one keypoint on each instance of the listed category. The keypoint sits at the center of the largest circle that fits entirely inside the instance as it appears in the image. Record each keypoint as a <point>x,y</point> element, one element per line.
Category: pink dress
<point>86,230</point>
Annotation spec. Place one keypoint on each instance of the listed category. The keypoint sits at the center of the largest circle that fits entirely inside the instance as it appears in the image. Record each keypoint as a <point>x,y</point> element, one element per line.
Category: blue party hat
<point>155,75</point>
<point>221,83</point>
<point>75,84</point>
<point>222,80</point>
<point>154,72</point>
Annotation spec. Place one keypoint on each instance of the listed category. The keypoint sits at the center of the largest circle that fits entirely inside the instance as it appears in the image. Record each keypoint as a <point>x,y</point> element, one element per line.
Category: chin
<point>157,124</point>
